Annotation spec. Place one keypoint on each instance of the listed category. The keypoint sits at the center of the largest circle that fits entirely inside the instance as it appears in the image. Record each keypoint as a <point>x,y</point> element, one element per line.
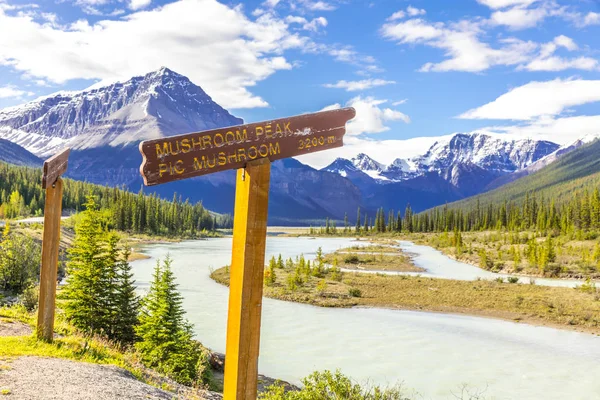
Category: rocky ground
<point>58,379</point>
<point>14,328</point>
<point>37,378</point>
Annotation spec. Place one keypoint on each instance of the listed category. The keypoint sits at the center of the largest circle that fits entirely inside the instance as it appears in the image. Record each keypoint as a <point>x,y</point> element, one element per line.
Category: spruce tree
<point>165,335</point>
<point>84,291</point>
<point>127,302</point>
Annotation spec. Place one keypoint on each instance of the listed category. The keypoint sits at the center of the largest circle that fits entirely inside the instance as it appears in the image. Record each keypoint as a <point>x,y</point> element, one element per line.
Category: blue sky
<point>418,68</point>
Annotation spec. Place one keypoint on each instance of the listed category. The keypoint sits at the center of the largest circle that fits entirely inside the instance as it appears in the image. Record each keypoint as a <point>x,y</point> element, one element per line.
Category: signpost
<point>54,167</point>
<point>249,148</point>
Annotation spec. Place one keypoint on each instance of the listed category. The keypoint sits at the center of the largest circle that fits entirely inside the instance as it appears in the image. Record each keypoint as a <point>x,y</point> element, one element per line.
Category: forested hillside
<point>21,195</point>
<point>562,196</point>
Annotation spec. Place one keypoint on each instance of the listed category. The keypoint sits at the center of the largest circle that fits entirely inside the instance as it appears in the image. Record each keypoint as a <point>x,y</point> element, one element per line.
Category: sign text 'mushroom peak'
<point>194,154</point>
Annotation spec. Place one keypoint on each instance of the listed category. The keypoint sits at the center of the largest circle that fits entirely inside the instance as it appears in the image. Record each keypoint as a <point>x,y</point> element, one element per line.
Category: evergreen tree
<point>165,335</point>
<point>85,292</point>
<point>127,302</point>
<point>357,228</point>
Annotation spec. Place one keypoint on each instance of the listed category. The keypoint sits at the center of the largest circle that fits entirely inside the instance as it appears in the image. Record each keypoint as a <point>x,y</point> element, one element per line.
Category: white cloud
<point>565,42</point>
<point>349,55</point>
<point>317,5</point>
<point>519,18</point>
<point>315,24</point>
<point>409,11</point>
<point>560,64</point>
<point>563,130</point>
<point>139,4</point>
<point>465,49</point>
<point>370,117</point>
<point>592,18</point>
<point>538,99</point>
<point>412,11</point>
<point>496,4</point>
<point>460,41</point>
<point>218,47</point>
<point>547,61</point>
<point>399,102</point>
<point>397,15</point>
<point>271,3</point>
<point>293,19</point>
<point>351,86</point>
<point>13,92</point>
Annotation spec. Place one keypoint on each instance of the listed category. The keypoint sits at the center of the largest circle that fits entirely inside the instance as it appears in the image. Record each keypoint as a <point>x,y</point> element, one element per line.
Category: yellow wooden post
<point>49,271</point>
<point>246,281</point>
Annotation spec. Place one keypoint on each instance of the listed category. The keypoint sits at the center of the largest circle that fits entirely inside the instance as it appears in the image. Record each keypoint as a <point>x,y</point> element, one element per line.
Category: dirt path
<point>35,378</point>
<point>14,328</point>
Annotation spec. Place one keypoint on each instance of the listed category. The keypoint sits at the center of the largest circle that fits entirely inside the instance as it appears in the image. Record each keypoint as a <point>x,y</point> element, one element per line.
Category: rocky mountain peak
<point>160,103</point>
<point>366,163</point>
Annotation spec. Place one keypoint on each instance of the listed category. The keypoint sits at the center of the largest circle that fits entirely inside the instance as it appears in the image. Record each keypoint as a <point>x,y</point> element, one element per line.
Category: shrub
<point>588,286</point>
<point>269,278</point>
<point>321,286</point>
<point>291,283</point>
<point>30,297</point>
<point>351,259</point>
<point>512,279</point>
<point>332,386</point>
<point>354,292</point>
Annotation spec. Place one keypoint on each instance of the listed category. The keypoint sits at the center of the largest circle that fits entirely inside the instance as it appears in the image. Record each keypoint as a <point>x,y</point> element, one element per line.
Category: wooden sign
<point>250,148</point>
<point>54,167</point>
<point>194,154</point>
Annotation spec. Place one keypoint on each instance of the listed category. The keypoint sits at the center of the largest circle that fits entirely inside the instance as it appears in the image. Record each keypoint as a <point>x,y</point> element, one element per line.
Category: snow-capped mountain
<point>160,103</point>
<point>467,161</point>
<point>365,163</point>
<point>487,152</point>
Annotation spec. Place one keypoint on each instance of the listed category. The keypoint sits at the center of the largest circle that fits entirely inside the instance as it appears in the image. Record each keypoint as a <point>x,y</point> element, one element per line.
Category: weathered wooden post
<point>54,167</point>
<point>249,148</point>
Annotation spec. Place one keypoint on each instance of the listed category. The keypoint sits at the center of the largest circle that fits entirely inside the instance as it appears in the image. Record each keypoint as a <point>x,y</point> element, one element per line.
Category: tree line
<point>581,212</point>
<point>21,195</point>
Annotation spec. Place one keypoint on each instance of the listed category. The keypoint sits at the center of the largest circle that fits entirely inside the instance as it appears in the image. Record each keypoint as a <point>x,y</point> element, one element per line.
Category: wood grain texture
<point>246,282</point>
<point>194,154</point>
<point>49,270</point>
<point>54,167</point>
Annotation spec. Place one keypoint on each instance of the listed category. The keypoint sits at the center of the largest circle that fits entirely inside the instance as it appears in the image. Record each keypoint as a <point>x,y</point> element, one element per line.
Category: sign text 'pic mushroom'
<point>194,154</point>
